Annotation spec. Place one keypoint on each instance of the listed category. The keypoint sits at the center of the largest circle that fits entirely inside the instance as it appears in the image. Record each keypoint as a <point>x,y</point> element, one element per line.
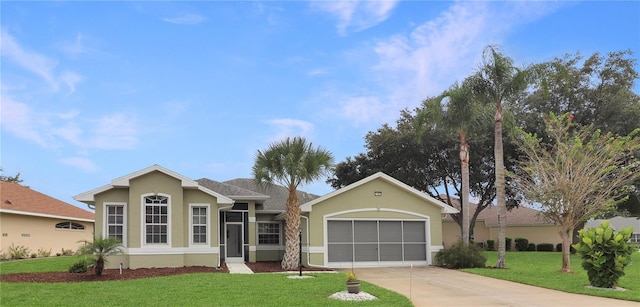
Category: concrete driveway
<point>433,286</point>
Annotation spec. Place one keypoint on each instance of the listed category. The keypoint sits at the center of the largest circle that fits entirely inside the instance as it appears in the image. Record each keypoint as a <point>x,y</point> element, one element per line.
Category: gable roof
<point>617,223</point>
<point>89,196</point>
<point>307,207</point>
<point>232,191</point>
<point>18,199</point>
<point>278,195</point>
<point>518,216</point>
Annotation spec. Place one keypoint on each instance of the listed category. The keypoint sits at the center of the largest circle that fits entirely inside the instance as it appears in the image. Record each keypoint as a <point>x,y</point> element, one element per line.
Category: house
<point>618,223</point>
<point>522,222</point>
<point>165,219</point>
<point>38,222</point>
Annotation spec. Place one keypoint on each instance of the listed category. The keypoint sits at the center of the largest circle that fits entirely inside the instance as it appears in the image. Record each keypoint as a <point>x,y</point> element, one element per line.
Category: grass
<point>202,289</point>
<point>542,269</point>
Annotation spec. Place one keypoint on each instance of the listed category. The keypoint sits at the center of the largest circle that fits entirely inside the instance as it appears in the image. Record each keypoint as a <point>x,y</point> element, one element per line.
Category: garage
<point>376,242</point>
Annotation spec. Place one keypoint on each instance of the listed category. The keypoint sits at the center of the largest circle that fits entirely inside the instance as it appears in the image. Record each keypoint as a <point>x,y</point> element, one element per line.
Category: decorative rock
<point>346,296</point>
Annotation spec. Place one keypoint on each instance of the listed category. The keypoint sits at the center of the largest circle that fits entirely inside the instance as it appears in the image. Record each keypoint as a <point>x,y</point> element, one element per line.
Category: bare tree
<point>579,173</point>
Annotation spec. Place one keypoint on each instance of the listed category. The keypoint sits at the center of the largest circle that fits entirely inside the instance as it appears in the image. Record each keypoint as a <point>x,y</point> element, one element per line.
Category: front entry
<point>234,242</point>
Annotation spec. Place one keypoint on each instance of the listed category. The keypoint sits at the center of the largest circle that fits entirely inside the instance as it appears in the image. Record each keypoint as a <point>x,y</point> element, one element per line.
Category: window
<point>69,225</point>
<point>115,221</point>
<point>268,233</point>
<point>199,224</point>
<point>156,217</point>
<point>635,238</point>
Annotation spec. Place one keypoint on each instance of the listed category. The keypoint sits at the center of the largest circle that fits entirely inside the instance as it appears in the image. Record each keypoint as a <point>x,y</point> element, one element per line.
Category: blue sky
<point>91,91</point>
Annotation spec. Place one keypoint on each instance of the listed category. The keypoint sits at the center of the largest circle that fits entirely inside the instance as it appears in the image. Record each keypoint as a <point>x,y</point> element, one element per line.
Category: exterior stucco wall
<point>535,234</point>
<point>360,202</point>
<point>40,233</point>
<point>120,195</point>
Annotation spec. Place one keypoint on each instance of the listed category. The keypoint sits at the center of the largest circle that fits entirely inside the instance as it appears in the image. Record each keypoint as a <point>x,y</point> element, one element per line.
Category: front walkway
<point>433,286</point>
<point>238,268</point>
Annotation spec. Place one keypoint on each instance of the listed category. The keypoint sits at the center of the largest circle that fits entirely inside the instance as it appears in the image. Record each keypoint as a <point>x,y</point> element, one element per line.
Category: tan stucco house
<point>34,220</point>
<point>522,222</point>
<point>165,219</point>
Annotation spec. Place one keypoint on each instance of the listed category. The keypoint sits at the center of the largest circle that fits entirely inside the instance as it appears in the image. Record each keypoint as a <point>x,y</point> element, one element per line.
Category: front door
<point>235,243</point>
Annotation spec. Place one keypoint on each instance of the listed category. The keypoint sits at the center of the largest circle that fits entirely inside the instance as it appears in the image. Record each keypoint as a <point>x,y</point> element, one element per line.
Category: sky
<point>92,91</point>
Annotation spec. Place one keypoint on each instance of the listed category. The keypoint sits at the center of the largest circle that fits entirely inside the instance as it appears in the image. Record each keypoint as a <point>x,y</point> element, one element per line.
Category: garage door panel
<point>415,252</point>
<point>340,231</point>
<point>414,231</point>
<point>391,252</point>
<point>365,231</point>
<point>366,252</point>
<point>340,252</point>
<point>390,231</point>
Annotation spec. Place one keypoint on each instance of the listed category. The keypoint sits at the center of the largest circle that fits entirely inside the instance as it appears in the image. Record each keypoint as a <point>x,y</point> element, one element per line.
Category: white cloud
<point>74,47</point>
<point>407,68</point>
<point>19,119</point>
<point>356,15</point>
<point>185,19</point>
<point>83,164</point>
<point>36,63</point>
<point>287,127</point>
<point>115,131</point>
<point>318,72</point>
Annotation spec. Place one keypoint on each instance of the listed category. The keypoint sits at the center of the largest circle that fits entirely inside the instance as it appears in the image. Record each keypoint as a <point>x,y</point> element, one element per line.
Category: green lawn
<point>542,269</point>
<point>202,289</point>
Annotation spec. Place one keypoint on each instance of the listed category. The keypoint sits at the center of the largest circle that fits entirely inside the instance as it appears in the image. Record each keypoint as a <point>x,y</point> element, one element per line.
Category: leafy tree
<point>14,179</point>
<point>499,80</point>
<point>597,90</point>
<point>290,163</point>
<point>580,173</point>
<point>100,249</point>
<point>456,111</point>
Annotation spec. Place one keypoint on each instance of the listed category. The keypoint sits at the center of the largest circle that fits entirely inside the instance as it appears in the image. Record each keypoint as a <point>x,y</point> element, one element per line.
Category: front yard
<point>200,289</point>
<point>541,269</point>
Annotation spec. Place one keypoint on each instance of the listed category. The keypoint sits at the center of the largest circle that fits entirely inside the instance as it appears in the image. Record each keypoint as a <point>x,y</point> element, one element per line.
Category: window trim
<point>105,223</point>
<point>70,226</point>
<point>143,223</point>
<point>279,233</point>
<point>208,225</point>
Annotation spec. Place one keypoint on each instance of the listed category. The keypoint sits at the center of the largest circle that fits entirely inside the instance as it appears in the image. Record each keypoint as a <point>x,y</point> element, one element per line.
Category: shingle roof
<point>277,194</point>
<point>231,191</point>
<point>519,216</point>
<point>617,223</point>
<point>19,199</point>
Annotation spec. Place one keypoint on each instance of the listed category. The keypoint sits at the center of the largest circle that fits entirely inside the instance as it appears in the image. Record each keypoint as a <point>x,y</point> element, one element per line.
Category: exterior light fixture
<point>377,193</point>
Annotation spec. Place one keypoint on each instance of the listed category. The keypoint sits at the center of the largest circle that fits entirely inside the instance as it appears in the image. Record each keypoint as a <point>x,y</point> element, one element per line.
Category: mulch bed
<point>114,274</point>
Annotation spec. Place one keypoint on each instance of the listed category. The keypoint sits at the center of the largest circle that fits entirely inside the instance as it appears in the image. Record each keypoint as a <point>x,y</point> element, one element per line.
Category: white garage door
<point>376,242</point>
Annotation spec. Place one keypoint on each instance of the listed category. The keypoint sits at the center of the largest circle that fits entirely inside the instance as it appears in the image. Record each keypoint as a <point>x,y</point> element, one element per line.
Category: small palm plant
<point>100,248</point>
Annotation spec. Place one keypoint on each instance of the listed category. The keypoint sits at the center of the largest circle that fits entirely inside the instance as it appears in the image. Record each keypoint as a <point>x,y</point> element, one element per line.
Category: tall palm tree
<point>496,81</point>
<point>455,110</point>
<point>289,163</point>
<point>100,249</point>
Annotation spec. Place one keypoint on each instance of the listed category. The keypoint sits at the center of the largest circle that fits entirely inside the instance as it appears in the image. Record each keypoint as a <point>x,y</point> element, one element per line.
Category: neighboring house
<point>618,223</point>
<point>167,220</point>
<point>522,222</point>
<point>34,220</point>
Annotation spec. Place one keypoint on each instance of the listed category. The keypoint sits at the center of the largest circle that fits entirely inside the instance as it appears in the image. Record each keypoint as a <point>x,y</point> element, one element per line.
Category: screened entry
<point>369,242</point>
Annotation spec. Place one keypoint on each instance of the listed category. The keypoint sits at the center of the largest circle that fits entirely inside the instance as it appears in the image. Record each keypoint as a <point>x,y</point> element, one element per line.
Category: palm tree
<point>100,249</point>
<point>455,110</point>
<point>289,163</point>
<point>496,81</point>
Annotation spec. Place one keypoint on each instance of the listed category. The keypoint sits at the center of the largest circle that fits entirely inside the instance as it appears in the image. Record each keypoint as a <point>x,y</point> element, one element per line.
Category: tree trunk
<point>464,197</point>
<point>500,188</point>
<point>292,227</point>
<point>99,266</point>
<point>566,234</point>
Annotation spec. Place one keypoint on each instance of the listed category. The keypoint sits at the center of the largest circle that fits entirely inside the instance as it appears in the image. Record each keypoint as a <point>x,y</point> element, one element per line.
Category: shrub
<point>58,254</point>
<point>18,252</point>
<point>508,244</point>
<point>491,245</point>
<point>459,256</point>
<point>79,267</point>
<point>44,253</point>
<point>522,244</point>
<point>67,252</point>
<point>571,249</point>
<point>3,255</point>
<point>531,247</point>
<point>604,254</point>
<point>34,255</point>
<point>545,247</point>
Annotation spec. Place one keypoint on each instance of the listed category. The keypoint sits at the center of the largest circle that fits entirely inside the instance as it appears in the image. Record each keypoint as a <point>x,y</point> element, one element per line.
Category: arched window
<point>69,225</point>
